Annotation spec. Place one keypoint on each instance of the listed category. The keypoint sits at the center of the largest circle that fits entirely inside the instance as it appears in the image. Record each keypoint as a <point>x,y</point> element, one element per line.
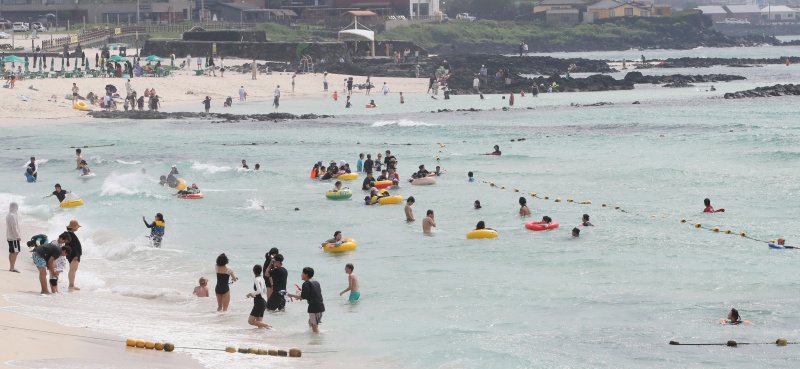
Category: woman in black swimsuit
<point>224,275</point>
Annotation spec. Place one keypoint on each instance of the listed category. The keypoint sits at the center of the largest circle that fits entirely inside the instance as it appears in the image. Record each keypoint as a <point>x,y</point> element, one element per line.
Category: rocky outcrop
<point>680,80</point>
<point>769,91</point>
<point>710,62</point>
<point>149,115</point>
<point>470,63</point>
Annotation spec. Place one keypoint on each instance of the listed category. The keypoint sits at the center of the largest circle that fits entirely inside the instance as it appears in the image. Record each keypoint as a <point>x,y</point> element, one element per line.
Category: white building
<point>779,13</point>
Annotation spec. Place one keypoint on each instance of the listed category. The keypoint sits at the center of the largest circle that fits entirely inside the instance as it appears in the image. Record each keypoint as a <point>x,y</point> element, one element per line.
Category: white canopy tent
<point>358,34</point>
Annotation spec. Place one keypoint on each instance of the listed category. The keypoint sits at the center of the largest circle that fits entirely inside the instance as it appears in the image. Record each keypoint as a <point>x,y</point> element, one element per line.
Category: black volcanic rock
<point>769,91</point>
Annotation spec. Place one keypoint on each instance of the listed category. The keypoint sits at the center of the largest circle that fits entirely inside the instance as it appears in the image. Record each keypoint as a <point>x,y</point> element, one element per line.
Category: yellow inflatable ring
<point>72,203</point>
<point>181,184</point>
<point>349,245</point>
<point>80,105</point>
<point>482,233</point>
<point>396,199</point>
<point>342,194</point>
<point>348,176</point>
<point>383,184</point>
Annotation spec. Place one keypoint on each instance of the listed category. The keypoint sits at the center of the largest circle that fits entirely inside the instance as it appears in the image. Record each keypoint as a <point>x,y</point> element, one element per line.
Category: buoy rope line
<point>588,202</point>
<point>127,342</point>
<point>71,147</point>
<point>732,343</point>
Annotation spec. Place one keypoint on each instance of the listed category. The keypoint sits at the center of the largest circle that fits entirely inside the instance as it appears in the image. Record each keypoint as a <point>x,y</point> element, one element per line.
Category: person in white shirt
<point>12,236</point>
<point>476,84</point>
<point>242,94</point>
<point>385,88</point>
<point>276,102</point>
<point>259,299</point>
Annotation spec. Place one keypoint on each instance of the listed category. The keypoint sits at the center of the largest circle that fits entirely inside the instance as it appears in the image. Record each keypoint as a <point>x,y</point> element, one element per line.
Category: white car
<point>4,35</point>
<point>465,16</point>
<point>20,27</point>
<point>38,26</point>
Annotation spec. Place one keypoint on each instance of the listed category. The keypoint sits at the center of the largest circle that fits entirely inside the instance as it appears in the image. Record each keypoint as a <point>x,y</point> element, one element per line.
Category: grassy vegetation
<point>487,31</point>
<point>278,32</point>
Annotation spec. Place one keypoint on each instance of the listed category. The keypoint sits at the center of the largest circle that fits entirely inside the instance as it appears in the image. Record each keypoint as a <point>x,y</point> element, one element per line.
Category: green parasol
<point>13,59</point>
<point>152,58</point>
<point>172,61</point>
<point>26,63</point>
<point>62,64</point>
<point>87,65</point>
<point>117,58</point>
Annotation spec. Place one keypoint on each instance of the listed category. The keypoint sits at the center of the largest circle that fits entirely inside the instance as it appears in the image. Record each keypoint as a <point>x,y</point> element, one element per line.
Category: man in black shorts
<point>277,277</point>
<point>12,235</point>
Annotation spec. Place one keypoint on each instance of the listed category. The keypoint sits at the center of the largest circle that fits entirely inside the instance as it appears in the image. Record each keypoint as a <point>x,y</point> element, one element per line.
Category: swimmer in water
<point>337,186</point>
<point>782,242</point>
<point>710,209</point>
<point>496,150</point>
<point>482,225</point>
<point>471,177</point>
<point>477,204</point>
<point>337,239</point>
<point>370,200</point>
<point>546,221</point>
<point>585,221</point>
<point>372,104</point>
<point>523,207</point>
<point>409,213</point>
<point>576,232</point>
<point>734,318</point>
<point>85,168</point>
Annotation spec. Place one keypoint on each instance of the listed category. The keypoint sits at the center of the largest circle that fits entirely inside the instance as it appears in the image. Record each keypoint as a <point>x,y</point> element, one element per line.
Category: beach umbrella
<point>87,64</point>
<point>26,62</point>
<point>152,58</point>
<point>41,61</point>
<point>111,88</point>
<point>96,60</point>
<point>172,61</point>
<point>117,58</point>
<point>13,59</point>
<point>206,64</point>
<point>62,63</point>
<point>76,65</point>
<point>35,56</point>
<point>52,62</point>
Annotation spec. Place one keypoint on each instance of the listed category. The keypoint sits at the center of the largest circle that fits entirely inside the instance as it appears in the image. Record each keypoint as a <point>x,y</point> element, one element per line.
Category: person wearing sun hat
<point>74,257</point>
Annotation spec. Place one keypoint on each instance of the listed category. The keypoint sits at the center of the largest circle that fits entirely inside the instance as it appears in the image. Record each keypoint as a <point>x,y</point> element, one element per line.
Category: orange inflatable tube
<point>313,173</point>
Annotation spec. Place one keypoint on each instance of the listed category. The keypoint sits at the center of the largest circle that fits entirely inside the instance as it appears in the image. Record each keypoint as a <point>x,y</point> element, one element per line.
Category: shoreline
<point>40,343</point>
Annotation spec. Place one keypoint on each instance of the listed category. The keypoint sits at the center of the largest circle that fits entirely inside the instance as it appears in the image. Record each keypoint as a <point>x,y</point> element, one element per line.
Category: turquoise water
<point>612,298</point>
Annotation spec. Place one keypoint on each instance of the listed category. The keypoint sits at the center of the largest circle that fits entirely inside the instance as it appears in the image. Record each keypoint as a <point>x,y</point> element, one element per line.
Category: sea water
<point>612,298</point>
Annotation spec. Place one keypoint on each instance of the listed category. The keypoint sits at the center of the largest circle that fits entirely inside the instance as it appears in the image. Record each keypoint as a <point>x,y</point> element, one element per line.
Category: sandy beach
<point>44,99</point>
<point>33,343</point>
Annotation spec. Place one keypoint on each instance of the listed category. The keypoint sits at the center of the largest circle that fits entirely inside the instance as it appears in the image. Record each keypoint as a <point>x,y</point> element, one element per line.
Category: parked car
<point>465,16</point>
<point>4,35</point>
<point>38,26</point>
<point>20,27</point>
<point>5,24</point>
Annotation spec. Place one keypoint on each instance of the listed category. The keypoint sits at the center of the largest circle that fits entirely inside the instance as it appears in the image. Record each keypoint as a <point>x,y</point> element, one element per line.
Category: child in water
<point>61,265</point>
<point>337,186</point>
<point>477,204</point>
<point>523,207</point>
<point>585,221</point>
<point>202,289</point>
<point>710,209</point>
<point>156,229</point>
<point>576,232</point>
<point>471,177</point>
<point>372,103</point>
<point>85,168</point>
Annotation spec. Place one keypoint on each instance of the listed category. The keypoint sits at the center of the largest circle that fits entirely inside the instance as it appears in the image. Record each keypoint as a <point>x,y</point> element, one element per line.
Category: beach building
<point>780,13</point>
<point>605,9</point>
<point>249,13</point>
<point>715,12</point>
<point>103,12</point>
<point>750,13</point>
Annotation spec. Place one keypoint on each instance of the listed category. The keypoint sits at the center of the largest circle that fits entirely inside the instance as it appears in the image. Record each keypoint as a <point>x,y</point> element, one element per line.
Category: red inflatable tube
<point>539,226</point>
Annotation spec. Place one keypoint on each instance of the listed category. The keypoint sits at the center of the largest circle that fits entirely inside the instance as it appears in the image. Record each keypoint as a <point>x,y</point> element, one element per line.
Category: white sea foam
<point>209,168</point>
<point>402,123</point>
<point>127,184</point>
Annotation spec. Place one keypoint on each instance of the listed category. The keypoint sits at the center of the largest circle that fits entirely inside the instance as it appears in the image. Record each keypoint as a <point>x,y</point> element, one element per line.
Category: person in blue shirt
<point>471,177</point>
<point>360,163</point>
